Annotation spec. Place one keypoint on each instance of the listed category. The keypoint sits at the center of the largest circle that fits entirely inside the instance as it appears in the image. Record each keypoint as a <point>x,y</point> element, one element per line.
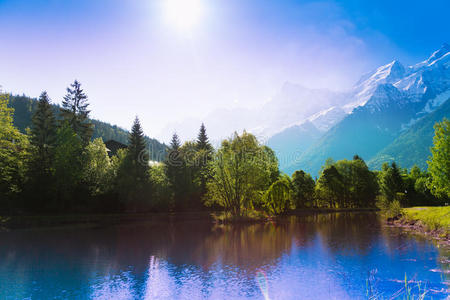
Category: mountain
<point>290,143</point>
<point>412,147</point>
<point>382,105</point>
<point>24,108</point>
<point>290,106</point>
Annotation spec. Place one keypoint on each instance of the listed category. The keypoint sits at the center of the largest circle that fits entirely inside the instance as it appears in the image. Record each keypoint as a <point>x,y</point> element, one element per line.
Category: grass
<point>433,218</point>
<point>249,216</point>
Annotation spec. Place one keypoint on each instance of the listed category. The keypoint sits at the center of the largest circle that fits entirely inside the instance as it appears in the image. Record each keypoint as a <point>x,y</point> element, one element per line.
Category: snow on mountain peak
<point>384,95</point>
<point>387,74</point>
<point>439,53</point>
<point>434,57</point>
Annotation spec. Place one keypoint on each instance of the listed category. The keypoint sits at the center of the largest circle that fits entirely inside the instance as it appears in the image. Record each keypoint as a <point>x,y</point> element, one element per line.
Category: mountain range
<point>389,115</point>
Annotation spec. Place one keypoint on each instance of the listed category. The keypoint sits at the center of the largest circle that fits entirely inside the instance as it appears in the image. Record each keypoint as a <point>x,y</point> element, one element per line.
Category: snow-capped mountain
<point>382,105</point>
<point>315,124</point>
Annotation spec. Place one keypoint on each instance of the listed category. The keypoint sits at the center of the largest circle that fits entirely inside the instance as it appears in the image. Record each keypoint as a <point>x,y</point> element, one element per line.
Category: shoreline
<point>440,235</point>
<point>8,223</point>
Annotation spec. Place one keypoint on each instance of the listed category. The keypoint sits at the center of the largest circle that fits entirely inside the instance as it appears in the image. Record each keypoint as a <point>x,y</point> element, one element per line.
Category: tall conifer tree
<point>137,152</point>
<point>202,140</point>
<point>43,134</point>
<point>204,149</point>
<point>175,168</point>
<point>75,111</point>
<point>41,166</point>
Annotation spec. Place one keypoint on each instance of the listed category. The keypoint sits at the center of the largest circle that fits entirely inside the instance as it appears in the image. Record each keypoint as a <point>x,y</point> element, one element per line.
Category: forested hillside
<point>412,147</point>
<point>25,106</point>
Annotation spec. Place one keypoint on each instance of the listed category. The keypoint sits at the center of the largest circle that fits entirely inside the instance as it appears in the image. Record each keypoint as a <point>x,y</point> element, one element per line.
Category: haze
<point>166,61</point>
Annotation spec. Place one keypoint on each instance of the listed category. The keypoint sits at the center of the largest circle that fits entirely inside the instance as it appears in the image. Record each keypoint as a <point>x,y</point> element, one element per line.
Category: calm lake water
<point>326,256</point>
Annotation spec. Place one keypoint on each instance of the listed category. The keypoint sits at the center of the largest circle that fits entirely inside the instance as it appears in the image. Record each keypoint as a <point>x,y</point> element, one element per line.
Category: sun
<point>184,15</point>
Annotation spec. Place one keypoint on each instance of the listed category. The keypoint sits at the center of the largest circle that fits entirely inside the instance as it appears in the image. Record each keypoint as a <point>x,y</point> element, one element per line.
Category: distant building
<point>113,146</point>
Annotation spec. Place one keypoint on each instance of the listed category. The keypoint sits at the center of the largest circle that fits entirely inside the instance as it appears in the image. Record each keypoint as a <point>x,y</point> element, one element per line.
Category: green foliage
<point>68,166</point>
<point>278,198</point>
<point>303,186</point>
<point>74,111</point>
<point>412,147</point>
<point>25,107</point>
<point>203,141</point>
<point>175,167</point>
<point>13,156</point>
<point>439,165</point>
<point>161,190</point>
<point>98,170</point>
<point>390,181</point>
<point>347,184</point>
<point>64,172</point>
<point>434,218</point>
<point>137,153</point>
<point>40,167</point>
<point>329,188</point>
<point>241,171</point>
<point>203,157</point>
<point>133,184</point>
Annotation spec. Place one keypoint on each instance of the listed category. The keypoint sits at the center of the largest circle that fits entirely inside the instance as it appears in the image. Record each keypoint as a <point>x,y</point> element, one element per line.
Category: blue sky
<point>133,59</point>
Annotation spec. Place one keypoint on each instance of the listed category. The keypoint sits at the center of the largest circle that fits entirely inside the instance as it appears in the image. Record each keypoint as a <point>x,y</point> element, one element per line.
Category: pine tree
<point>137,152</point>
<point>205,151</point>
<point>43,132</point>
<point>43,141</point>
<point>74,111</point>
<point>175,168</point>
<point>175,143</point>
<point>202,140</point>
<point>133,175</point>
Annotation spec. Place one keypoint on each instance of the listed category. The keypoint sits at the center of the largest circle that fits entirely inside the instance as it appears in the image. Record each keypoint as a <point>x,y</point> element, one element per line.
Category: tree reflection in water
<point>322,256</point>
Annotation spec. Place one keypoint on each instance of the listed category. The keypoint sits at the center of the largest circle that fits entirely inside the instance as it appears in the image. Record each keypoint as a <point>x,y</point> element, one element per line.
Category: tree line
<point>25,107</point>
<point>57,167</point>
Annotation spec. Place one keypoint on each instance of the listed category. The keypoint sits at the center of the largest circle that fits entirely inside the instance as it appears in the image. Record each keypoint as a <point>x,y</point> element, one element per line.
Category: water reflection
<point>332,256</point>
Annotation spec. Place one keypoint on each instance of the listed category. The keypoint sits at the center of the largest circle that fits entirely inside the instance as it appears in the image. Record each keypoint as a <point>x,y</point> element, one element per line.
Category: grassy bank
<point>432,218</point>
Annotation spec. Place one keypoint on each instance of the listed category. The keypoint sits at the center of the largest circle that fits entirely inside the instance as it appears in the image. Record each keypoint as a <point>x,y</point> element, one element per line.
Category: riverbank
<point>99,220</point>
<point>262,217</point>
<point>433,222</point>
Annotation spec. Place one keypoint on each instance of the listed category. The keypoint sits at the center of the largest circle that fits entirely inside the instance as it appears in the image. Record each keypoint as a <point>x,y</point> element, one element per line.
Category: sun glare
<point>183,14</point>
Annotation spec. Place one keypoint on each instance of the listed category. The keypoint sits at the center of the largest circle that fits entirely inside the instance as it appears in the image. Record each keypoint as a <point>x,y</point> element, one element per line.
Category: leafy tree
<point>75,111</point>
<point>278,198</point>
<point>242,170</point>
<point>347,183</point>
<point>303,189</point>
<point>329,188</point>
<point>68,165</point>
<point>439,163</point>
<point>360,185</point>
<point>161,192</point>
<point>391,182</point>
<point>43,142</point>
<point>98,170</point>
<point>189,193</point>
<point>13,156</point>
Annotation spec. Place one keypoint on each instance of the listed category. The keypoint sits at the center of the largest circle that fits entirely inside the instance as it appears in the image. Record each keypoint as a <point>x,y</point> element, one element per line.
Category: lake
<point>322,256</point>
